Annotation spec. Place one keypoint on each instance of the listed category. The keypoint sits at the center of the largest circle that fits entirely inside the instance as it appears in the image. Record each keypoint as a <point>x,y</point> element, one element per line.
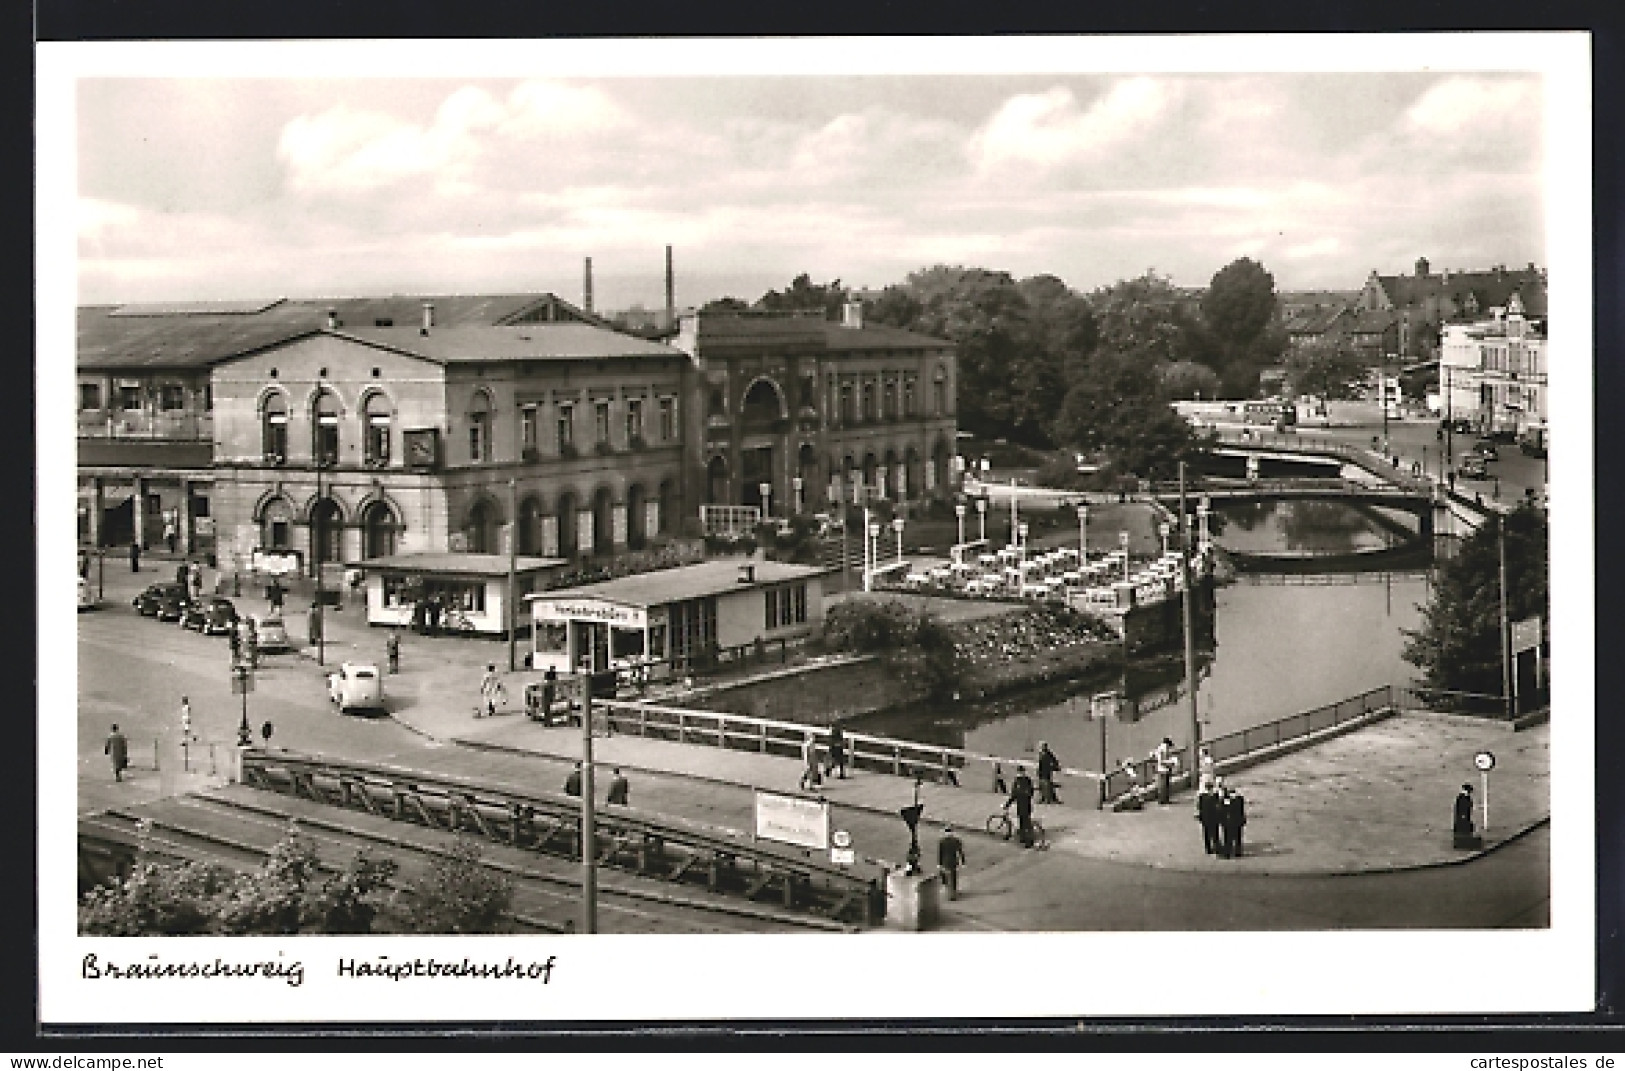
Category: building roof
<point>197,334</point>
<point>487,565</point>
<point>530,342</point>
<point>1489,288</point>
<point>1313,320</point>
<point>812,332</point>
<point>684,582</point>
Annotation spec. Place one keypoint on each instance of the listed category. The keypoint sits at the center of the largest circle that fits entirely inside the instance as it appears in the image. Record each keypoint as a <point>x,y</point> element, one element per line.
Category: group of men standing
<point>1223,814</point>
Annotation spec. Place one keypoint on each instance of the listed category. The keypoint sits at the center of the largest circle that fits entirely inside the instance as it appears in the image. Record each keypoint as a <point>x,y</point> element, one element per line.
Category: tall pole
<point>513,561</point>
<point>318,538</point>
<point>1449,425</point>
<point>1190,625</point>
<point>1506,634</point>
<point>589,848</point>
<point>1382,394</point>
<point>1014,514</point>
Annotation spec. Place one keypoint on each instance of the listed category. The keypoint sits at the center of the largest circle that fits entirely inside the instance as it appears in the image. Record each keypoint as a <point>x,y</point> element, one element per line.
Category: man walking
<point>810,776</point>
<point>490,686</point>
<point>135,555</point>
<point>950,857</point>
<point>837,752</point>
<point>1463,824</point>
<point>1207,813</point>
<point>1021,794</point>
<point>618,788</point>
<point>1048,767</point>
<point>117,750</point>
<point>1233,815</point>
<point>572,783</point>
<point>392,650</point>
<point>1163,757</point>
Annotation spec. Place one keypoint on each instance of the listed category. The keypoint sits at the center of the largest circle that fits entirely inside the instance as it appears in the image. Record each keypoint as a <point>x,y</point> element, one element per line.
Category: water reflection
<point>1300,528</point>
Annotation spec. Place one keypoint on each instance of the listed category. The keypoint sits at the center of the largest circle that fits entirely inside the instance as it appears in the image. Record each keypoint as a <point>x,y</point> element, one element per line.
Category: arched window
<point>479,427</point>
<point>325,438</point>
<point>939,386</point>
<point>567,525</point>
<point>378,529</point>
<point>637,523</point>
<point>326,534</point>
<point>274,429</point>
<point>276,525</point>
<point>378,418</point>
<point>718,405</point>
<point>484,528</point>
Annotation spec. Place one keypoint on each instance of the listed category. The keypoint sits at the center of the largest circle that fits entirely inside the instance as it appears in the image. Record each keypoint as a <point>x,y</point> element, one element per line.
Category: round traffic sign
<point>841,839</point>
<point>1484,760</point>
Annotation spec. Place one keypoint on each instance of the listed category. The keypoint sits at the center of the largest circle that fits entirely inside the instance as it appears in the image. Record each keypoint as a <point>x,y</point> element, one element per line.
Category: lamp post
<point>1015,511</point>
<point>1122,542</point>
<point>513,567</point>
<point>766,490</point>
<point>798,485</point>
<point>897,524</point>
<point>242,681</point>
<point>1083,537</point>
<point>318,537</point>
<point>1201,524</point>
<point>1162,530</point>
<point>981,519</point>
<point>959,512</point>
<point>871,543</point>
<point>1190,625</point>
<point>1021,540</point>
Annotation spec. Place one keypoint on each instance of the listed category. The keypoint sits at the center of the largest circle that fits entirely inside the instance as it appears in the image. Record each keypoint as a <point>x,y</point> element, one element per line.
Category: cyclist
<point>1021,794</point>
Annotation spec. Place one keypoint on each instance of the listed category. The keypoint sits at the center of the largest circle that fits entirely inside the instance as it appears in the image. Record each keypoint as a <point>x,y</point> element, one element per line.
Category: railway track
<point>239,826</point>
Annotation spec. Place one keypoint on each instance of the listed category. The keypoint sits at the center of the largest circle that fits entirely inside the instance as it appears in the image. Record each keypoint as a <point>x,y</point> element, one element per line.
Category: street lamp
<point>1201,524</point>
<point>871,544</point>
<point>897,524</point>
<point>1015,511</point>
<point>1083,537</point>
<point>1122,542</point>
<point>1162,530</point>
<point>981,519</point>
<point>767,498</point>
<point>1021,540</point>
<point>797,484</point>
<point>318,538</point>
<point>959,512</point>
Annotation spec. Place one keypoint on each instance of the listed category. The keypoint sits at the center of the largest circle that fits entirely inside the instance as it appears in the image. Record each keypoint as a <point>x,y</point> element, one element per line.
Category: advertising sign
<point>585,609</point>
<point>274,562</point>
<point>792,820</point>
<point>1525,634</point>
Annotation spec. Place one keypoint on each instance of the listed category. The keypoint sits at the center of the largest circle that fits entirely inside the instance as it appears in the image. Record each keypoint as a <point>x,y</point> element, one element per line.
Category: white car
<point>356,686</point>
<point>87,595</point>
<point>270,632</point>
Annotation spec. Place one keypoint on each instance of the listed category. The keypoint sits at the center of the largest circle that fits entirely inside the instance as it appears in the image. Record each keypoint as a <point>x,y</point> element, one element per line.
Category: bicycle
<point>1000,824</point>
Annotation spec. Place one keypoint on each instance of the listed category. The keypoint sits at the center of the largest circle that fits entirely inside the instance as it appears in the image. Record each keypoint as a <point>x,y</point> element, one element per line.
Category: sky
<point>220,187</point>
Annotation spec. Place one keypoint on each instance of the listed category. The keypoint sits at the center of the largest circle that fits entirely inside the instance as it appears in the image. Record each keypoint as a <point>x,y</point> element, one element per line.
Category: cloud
<point>1473,106</point>
<point>1048,129</point>
<point>1320,247</point>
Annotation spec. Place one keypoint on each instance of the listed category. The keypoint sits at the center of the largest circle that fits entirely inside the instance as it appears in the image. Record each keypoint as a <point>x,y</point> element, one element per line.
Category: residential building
<point>1424,301</point>
<point>1492,371</point>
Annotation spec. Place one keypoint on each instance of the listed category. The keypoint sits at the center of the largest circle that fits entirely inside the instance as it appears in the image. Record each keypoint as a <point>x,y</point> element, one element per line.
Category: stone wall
<point>818,694</point>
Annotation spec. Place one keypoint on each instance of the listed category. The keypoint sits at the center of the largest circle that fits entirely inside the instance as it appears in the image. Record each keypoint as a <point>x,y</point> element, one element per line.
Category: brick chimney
<point>586,300</point>
<point>428,317</point>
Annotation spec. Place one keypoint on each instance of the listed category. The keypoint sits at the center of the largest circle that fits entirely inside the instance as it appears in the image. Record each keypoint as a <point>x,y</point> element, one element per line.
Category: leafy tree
<point>1239,315</point>
<point>457,894</point>
<point>1458,647</point>
<point>1118,410</point>
<point>1188,379</point>
<point>1146,320</point>
<point>1325,367</point>
<point>725,305</point>
<point>804,295</point>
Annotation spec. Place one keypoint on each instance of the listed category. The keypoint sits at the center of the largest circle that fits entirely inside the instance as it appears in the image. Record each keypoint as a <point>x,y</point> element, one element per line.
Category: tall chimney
<point>428,317</point>
<point>586,302</point>
<point>332,319</point>
<point>671,298</point>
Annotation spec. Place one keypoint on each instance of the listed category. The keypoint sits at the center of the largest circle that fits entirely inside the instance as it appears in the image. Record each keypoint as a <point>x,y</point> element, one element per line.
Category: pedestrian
<point>183,575</point>
<point>1451,477</point>
<point>1463,825</point>
<point>251,642</point>
<point>1207,813</point>
<point>572,783</point>
<point>1205,768</point>
<point>186,719</point>
<point>618,788</point>
<point>1163,756</point>
<point>274,595</point>
<point>169,534</point>
<point>1021,794</point>
<point>135,556</point>
<point>550,685</point>
<point>433,620</point>
<point>837,752</point>
<point>810,777</point>
<point>117,749</point>
<point>313,624</point>
<point>1048,767</point>
<point>392,651</point>
<point>235,636</point>
<point>999,787</point>
<point>1233,816</point>
<point>490,686</point>
<point>950,857</point>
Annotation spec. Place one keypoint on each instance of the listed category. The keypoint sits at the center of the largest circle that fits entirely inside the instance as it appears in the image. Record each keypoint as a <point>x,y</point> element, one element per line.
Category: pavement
<point>1377,799</point>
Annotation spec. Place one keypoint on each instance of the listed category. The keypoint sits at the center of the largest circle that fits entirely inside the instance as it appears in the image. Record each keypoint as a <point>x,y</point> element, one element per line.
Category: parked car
<point>147,603</point>
<point>87,595</point>
<point>356,686</point>
<point>1533,440</point>
<point>270,632</point>
<point>1473,467</point>
<point>211,616</point>
<point>1486,449</point>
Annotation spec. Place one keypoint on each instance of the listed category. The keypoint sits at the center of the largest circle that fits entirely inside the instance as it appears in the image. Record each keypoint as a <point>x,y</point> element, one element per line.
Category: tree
<point>1326,367</point>
<point>725,305</point>
<point>1146,320</point>
<point>1117,409</point>
<point>1188,379</point>
<point>1458,648</point>
<point>1238,313</point>
<point>457,894</point>
<point>804,295</point>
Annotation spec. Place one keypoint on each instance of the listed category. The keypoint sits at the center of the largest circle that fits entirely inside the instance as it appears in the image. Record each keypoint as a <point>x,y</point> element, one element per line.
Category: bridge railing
<point>1370,460</point>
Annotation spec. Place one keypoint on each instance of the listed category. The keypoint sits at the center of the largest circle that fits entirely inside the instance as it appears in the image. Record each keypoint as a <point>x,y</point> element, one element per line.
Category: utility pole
<point>513,561</point>
<point>589,848</point>
<point>318,538</point>
<point>1506,632</point>
<point>1190,626</point>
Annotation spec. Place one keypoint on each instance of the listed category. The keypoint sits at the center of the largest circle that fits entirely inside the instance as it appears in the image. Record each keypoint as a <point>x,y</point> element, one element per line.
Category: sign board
<point>586,609</point>
<point>274,562</point>
<point>242,683</point>
<point>1525,634</point>
<point>1104,705</point>
<point>792,820</point>
<point>1485,761</point>
<point>843,856</point>
<point>841,839</point>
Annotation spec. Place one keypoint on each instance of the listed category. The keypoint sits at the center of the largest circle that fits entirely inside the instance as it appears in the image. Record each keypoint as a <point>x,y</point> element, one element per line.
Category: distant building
<point>1425,300</point>
<point>1492,370</point>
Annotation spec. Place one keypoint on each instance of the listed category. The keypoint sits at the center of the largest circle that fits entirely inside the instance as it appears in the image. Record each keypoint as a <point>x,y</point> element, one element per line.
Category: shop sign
<point>608,613</point>
<point>792,820</point>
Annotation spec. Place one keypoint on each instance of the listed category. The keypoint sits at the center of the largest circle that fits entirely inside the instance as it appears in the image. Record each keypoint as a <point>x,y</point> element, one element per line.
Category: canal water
<point>1281,645</point>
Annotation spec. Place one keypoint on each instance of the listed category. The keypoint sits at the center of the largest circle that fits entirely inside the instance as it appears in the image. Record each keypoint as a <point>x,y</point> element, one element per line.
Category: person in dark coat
<point>1207,813</point>
<point>117,750</point>
<point>1233,816</point>
<point>1021,794</point>
<point>1464,811</point>
<point>837,752</point>
<point>950,857</point>
<point>572,784</point>
<point>135,556</point>
<point>392,649</point>
<point>999,785</point>
<point>618,788</point>
<point>1048,767</point>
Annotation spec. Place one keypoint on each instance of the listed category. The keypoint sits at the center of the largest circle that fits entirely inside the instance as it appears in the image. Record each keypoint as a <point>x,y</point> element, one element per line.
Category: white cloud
<point>1047,129</point>
<point>97,218</point>
<point>1320,247</point>
<point>1480,106</point>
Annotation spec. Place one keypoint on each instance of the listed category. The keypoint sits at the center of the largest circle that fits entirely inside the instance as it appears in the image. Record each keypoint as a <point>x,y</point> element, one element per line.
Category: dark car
<point>1472,466</point>
<point>172,604</point>
<point>146,603</point>
<point>1486,449</point>
<point>210,616</point>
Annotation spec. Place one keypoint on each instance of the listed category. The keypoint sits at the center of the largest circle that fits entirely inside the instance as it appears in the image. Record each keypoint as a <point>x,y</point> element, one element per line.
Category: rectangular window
<point>868,401</point>
<point>276,436</point>
<point>908,398</point>
<point>479,437</point>
<point>668,419</point>
<point>600,422</point>
<point>90,396</point>
<point>771,599</point>
<point>377,443</point>
<point>172,397</point>
<point>634,420</point>
<point>798,594</point>
<point>208,397</point>
<point>846,403</point>
<point>129,397</point>
<point>327,440</point>
<point>567,425</point>
<point>527,430</point>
